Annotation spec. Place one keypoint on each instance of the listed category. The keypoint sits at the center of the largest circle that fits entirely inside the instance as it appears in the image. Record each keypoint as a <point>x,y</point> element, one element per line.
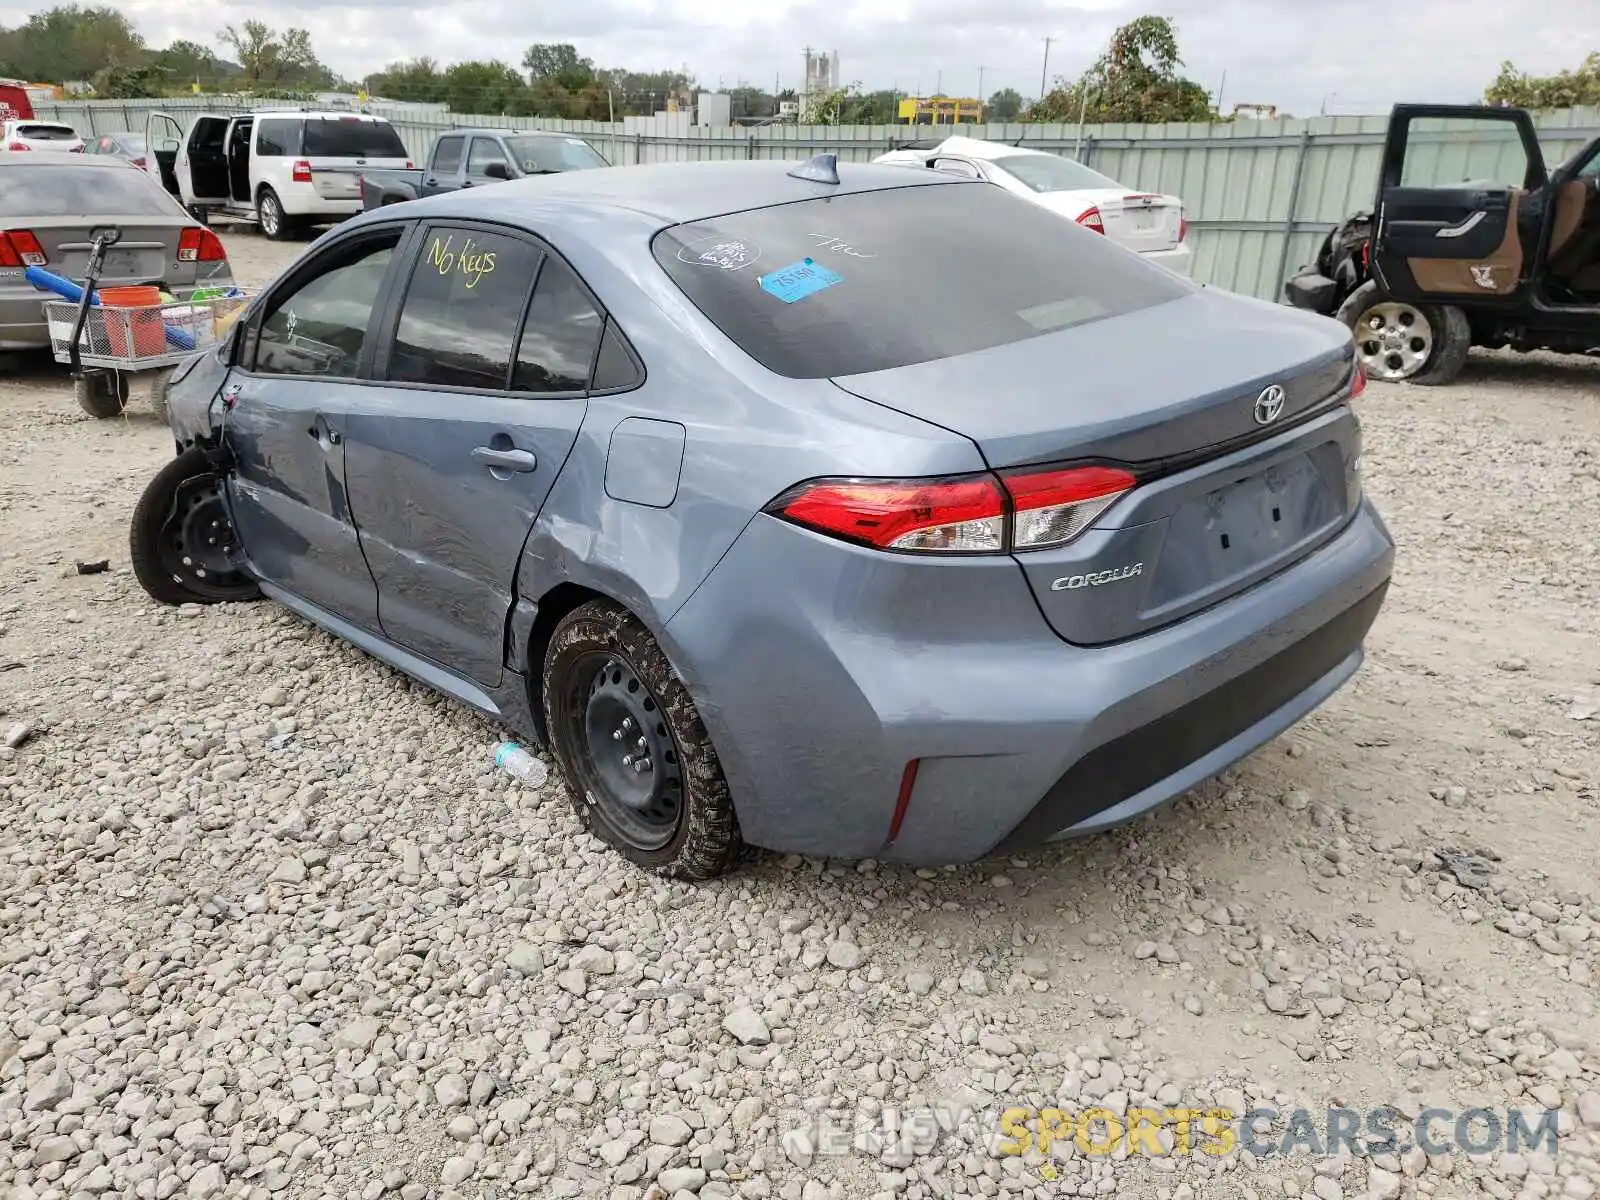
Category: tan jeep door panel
<point>1497,275</point>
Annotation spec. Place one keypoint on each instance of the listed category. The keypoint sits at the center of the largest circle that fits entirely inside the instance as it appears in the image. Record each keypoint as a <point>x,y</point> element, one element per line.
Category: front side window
<point>484,151</point>
<point>320,326</point>
<point>459,320</point>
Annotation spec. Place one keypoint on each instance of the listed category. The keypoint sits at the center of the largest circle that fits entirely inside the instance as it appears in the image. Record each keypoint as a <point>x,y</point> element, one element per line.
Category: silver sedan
<point>50,207</point>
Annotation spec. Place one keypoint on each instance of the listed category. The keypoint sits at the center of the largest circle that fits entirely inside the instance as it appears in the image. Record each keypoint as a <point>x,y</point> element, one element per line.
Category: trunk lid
<point>147,251</point>
<point>1140,221</point>
<point>1172,391</point>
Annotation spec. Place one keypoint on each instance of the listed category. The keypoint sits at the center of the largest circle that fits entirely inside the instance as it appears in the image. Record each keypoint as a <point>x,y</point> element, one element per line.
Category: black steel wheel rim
<point>197,542</point>
<point>627,759</point>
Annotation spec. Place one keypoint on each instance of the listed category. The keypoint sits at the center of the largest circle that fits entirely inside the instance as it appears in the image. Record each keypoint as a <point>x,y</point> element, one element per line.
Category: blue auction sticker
<point>798,280</point>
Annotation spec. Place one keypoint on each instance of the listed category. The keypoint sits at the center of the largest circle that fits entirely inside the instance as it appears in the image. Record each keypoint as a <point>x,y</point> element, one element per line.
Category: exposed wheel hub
<point>197,541</point>
<point>1394,341</point>
<point>636,778</point>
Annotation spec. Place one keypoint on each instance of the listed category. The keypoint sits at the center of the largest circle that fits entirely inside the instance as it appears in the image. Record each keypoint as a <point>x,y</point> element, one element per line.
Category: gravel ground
<point>272,924</point>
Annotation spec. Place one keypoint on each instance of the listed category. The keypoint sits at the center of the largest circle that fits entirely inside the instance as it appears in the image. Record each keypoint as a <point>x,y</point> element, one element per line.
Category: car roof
<point>978,148</point>
<point>326,114</point>
<point>671,193</point>
<point>62,158</point>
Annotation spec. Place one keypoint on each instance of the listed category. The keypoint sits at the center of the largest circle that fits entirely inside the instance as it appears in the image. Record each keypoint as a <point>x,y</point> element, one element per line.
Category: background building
<point>821,74</point>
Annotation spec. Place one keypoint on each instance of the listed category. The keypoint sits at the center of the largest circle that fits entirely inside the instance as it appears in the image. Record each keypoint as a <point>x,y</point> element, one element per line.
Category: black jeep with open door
<point>1510,260</point>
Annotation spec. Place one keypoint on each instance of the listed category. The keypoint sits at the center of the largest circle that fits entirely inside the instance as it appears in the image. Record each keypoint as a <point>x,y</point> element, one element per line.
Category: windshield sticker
<point>727,254</point>
<point>838,246</point>
<point>798,280</point>
<point>474,264</point>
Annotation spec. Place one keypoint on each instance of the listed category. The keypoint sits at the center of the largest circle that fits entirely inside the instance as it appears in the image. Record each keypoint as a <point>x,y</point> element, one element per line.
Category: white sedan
<point>1152,225</point>
<point>40,135</point>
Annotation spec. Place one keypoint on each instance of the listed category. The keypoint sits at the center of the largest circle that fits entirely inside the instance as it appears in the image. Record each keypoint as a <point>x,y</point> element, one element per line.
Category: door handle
<point>323,434</point>
<point>1464,228</point>
<point>505,460</point>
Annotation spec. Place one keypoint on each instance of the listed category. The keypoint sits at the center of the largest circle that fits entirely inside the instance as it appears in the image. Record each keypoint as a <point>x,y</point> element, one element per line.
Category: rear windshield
<point>87,191</point>
<point>537,155</point>
<point>47,133</point>
<point>874,280</point>
<point>336,138</point>
<point>1050,173</point>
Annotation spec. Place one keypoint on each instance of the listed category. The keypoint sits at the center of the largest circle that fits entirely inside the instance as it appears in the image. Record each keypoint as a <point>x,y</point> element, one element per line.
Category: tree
<point>272,58</point>
<point>1004,105</point>
<point>418,79</point>
<point>130,83</point>
<point>483,87</point>
<point>69,43</point>
<point>189,62</point>
<point>1566,89</point>
<point>1136,81</point>
<point>558,63</point>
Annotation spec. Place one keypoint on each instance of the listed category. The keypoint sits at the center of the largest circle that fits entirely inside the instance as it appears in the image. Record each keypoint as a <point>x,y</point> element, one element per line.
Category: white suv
<point>283,168</point>
<point>40,135</point>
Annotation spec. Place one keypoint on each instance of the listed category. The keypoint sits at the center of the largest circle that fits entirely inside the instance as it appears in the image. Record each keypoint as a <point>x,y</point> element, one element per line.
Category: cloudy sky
<point>1352,55</point>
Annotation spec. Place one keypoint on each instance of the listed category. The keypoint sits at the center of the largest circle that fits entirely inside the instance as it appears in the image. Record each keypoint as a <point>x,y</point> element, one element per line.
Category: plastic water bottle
<point>520,765</point>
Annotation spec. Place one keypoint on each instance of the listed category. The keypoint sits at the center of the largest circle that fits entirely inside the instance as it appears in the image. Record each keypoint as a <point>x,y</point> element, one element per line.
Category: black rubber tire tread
<point>101,394</point>
<point>1450,347</point>
<point>1452,333</point>
<point>160,384</point>
<point>707,842</point>
<point>144,533</point>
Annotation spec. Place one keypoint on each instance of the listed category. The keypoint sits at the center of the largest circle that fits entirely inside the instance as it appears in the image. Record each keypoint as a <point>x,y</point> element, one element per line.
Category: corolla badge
<point>1069,583</point>
<point>1269,405</point>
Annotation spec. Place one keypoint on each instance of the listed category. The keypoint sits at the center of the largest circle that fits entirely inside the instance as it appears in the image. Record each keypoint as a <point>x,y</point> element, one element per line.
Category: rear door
<point>485,380</point>
<point>1453,186</point>
<point>299,375</point>
<point>164,136</point>
<point>202,163</point>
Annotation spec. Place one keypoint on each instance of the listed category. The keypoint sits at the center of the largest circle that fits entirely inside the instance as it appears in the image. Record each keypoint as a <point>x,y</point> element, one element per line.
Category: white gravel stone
<point>747,1025</point>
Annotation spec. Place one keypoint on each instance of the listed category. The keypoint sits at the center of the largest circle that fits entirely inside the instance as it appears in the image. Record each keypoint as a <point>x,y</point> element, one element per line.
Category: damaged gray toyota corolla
<point>780,515</point>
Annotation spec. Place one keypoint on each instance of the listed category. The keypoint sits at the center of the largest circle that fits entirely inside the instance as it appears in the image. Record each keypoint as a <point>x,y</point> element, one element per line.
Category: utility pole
<point>980,85</point>
<point>938,84</point>
<point>1045,69</point>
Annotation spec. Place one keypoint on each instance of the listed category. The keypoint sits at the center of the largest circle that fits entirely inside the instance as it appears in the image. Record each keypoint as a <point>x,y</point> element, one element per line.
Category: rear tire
<point>274,222</point>
<point>101,394</point>
<point>180,541</point>
<point>613,701</point>
<point>1398,342</point>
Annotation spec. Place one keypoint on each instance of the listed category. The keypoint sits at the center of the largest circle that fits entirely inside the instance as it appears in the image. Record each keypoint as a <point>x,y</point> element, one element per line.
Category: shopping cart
<point>105,336</point>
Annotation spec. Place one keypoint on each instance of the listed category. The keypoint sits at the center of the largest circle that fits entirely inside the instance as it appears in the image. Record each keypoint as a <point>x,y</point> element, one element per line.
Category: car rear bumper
<point>1177,259</point>
<point>302,201</point>
<point>822,671</point>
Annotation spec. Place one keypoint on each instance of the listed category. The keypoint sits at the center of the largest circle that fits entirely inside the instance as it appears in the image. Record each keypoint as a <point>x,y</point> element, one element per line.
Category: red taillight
<point>19,248</point>
<point>1183,227</point>
<point>1027,509</point>
<point>14,146</point>
<point>200,245</point>
<point>302,172</point>
<point>1055,506</point>
<point>961,515</point>
<point>1090,219</point>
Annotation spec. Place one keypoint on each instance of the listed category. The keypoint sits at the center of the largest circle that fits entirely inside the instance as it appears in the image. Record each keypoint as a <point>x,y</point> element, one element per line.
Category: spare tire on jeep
<point>1400,342</point>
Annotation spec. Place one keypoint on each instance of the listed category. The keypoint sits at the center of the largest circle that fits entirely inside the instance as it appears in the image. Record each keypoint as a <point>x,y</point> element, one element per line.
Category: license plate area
<point>1143,219</point>
<point>118,265</point>
<point>1244,527</point>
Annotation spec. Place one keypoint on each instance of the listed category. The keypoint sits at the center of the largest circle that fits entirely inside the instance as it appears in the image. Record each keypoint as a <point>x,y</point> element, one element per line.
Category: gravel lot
<point>272,924</point>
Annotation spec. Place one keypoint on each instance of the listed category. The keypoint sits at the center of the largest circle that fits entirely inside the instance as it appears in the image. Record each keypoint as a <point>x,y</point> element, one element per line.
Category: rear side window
<point>869,281</point>
<point>348,137</point>
<point>560,336</point>
<point>278,138</point>
<point>75,191</point>
<point>447,155</point>
<point>458,323</point>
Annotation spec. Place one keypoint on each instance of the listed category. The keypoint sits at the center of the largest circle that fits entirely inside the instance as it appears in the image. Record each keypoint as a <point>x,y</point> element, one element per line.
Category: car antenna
<point>823,168</point>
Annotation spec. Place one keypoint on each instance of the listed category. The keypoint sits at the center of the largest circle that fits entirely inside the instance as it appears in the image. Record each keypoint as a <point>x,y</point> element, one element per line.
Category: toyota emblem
<point>1269,405</point>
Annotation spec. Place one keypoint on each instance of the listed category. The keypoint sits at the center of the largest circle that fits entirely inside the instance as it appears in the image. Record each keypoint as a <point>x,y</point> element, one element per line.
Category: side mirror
<point>497,170</point>
<point>169,145</point>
